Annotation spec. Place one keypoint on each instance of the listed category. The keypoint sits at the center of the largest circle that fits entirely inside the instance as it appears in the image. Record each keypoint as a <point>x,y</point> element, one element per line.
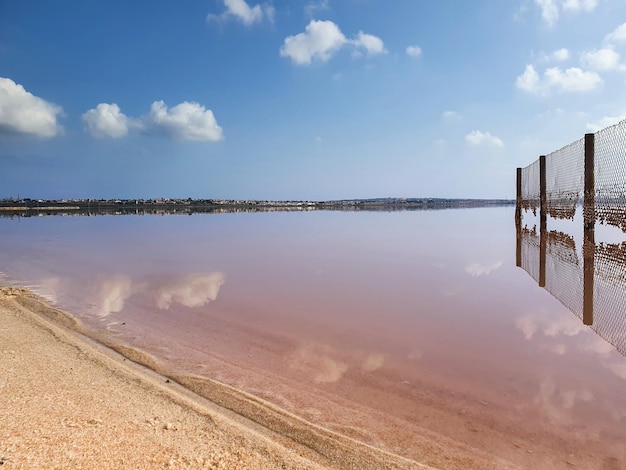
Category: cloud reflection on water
<point>478,269</point>
<point>315,360</point>
<point>557,403</point>
<point>555,328</point>
<point>110,293</point>
<point>192,290</point>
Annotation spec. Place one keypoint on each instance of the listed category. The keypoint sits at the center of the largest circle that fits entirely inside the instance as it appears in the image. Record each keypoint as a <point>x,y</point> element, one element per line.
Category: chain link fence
<point>530,192</point>
<point>609,303</point>
<point>610,175</point>
<point>564,272</point>
<point>565,180</point>
<point>565,174</point>
<point>529,240</point>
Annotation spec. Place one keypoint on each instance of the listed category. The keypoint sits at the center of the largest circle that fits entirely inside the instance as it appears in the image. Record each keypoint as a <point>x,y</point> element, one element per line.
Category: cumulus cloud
<point>617,36</point>
<point>414,51</point>
<point>321,39</point>
<point>185,121</point>
<point>483,138</point>
<point>22,112</point>
<point>550,9</point>
<point>529,81</point>
<point>605,121</point>
<point>570,80</point>
<point>241,11</point>
<point>560,55</point>
<point>604,59</point>
<point>372,44</point>
<point>106,120</point>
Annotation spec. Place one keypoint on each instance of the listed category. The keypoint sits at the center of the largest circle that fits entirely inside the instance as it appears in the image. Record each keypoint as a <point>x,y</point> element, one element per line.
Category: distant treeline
<point>86,207</point>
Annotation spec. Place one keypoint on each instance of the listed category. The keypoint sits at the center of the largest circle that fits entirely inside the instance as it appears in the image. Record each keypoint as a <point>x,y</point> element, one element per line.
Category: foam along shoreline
<point>73,401</point>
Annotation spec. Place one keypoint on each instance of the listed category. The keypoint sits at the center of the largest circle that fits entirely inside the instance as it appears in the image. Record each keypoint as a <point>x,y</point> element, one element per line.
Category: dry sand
<point>67,401</point>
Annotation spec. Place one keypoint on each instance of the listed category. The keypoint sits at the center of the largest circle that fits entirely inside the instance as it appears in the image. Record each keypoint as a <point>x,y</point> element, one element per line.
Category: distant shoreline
<point>32,207</point>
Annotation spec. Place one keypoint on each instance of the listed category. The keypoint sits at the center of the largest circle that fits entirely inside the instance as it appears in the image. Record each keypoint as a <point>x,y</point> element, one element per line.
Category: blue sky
<point>321,99</point>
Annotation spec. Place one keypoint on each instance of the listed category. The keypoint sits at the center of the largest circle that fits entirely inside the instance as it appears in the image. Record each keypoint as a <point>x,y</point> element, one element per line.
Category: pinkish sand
<point>69,402</point>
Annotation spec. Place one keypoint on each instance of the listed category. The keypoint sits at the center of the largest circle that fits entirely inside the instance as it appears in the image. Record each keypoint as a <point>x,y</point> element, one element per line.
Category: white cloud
<point>580,5</point>
<point>606,121</point>
<point>186,121</point>
<point>241,11</point>
<point>529,81</point>
<point>572,79</point>
<point>312,7</point>
<point>618,35</point>
<point>414,51</point>
<point>450,115</point>
<point>22,112</point>
<point>372,44</point>
<point>602,59</point>
<point>483,138</point>
<point>106,120</point>
<point>560,55</point>
<point>569,80</point>
<point>549,11</point>
<point>321,39</point>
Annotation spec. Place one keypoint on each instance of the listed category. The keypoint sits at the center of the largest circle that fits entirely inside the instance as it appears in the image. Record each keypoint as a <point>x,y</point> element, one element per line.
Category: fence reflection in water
<point>592,285</point>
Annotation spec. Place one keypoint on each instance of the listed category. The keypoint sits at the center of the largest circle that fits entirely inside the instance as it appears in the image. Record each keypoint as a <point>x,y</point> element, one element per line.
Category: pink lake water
<point>386,327</point>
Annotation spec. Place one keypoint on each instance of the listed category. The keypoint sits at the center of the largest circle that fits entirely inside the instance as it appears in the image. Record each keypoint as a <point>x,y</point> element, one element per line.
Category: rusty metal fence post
<point>543,217</point>
<point>589,195</point>
<point>589,217</point>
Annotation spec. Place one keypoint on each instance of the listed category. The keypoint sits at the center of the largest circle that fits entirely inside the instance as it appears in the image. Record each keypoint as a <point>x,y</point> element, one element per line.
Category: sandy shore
<point>69,402</point>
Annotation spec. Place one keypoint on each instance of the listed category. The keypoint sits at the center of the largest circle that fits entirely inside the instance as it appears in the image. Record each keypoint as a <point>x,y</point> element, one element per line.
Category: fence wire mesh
<point>610,175</point>
<point>530,252</point>
<point>530,187</point>
<point>565,180</point>
<point>592,285</point>
<point>564,272</point>
<point>609,303</point>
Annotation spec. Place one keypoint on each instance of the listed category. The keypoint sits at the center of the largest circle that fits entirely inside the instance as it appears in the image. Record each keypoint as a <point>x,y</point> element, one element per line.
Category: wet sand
<point>69,402</point>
